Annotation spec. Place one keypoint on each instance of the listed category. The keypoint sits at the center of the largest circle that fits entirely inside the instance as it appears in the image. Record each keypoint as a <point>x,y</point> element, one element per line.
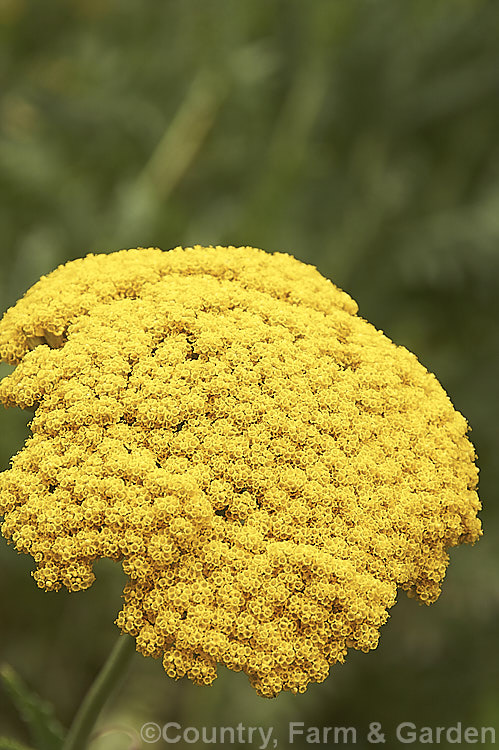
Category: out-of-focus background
<point>359,136</point>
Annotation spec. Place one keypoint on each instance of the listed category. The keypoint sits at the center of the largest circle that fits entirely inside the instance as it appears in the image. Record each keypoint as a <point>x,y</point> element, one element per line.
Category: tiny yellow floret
<point>267,466</point>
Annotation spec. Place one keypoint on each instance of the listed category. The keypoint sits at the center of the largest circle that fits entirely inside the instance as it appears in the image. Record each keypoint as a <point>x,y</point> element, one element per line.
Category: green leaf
<point>8,744</point>
<point>46,731</point>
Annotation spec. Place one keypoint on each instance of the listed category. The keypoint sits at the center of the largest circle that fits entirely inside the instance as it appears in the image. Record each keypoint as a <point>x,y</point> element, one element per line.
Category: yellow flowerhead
<point>267,466</point>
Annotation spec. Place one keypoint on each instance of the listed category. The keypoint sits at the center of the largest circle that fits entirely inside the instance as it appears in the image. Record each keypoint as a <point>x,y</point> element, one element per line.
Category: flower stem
<point>107,679</point>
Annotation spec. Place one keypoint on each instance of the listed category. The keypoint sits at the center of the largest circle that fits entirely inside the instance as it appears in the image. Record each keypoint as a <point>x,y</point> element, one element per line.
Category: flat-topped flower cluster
<point>267,467</point>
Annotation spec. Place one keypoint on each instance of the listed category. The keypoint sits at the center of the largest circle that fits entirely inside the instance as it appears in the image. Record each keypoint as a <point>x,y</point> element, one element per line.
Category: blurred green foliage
<point>360,136</point>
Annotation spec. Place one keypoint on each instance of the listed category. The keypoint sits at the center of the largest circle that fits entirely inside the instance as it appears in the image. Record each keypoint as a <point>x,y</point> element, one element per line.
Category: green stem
<point>107,679</point>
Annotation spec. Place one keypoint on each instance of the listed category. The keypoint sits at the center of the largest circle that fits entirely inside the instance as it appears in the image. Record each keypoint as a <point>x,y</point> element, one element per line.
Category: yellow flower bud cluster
<point>267,466</point>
